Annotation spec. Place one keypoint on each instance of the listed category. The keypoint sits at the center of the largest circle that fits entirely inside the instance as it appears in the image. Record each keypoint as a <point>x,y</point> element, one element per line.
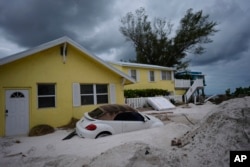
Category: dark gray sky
<point>95,25</point>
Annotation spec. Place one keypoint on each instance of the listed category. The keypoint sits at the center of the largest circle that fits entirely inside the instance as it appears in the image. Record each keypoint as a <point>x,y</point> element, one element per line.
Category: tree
<point>153,44</point>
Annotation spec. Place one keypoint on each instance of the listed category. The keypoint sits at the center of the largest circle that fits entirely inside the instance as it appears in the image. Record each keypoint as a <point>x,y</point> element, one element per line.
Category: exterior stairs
<point>197,84</point>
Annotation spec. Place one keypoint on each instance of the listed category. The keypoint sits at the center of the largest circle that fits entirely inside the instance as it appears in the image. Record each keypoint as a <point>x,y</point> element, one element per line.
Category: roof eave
<point>31,51</point>
<point>138,65</point>
<point>59,41</point>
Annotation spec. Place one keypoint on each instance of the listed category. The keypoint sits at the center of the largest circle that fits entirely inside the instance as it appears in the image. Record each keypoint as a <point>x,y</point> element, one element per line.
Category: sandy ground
<point>208,132</point>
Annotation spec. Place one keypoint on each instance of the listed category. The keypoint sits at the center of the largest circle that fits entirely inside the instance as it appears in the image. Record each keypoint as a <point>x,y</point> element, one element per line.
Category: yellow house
<point>148,76</point>
<point>52,83</point>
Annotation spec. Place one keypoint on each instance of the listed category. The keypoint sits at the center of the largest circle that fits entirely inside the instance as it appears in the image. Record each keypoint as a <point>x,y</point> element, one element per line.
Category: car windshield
<point>110,111</point>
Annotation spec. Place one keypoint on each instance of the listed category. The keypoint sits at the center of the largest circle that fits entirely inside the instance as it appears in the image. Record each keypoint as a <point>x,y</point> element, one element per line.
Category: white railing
<point>182,83</point>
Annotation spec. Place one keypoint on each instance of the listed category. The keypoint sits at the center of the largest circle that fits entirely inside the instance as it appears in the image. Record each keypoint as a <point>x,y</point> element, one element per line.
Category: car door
<point>115,125</point>
<point>129,126</point>
<point>131,121</point>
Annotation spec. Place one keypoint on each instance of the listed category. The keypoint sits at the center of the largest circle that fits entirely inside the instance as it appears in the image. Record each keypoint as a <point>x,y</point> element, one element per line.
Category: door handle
<point>6,111</point>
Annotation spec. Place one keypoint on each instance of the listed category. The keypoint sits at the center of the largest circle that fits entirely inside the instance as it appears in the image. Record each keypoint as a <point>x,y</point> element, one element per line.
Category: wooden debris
<point>16,154</point>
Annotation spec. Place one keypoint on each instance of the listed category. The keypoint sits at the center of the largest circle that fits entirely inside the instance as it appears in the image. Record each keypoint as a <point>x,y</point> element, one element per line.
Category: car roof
<point>116,107</point>
<point>111,110</point>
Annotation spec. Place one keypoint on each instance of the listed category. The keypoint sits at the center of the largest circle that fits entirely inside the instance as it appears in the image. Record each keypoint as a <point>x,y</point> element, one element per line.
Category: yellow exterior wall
<point>48,67</point>
<point>144,83</point>
<point>180,91</point>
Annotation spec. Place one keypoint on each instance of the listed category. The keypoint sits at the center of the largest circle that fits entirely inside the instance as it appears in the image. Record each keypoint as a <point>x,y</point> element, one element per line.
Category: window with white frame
<point>166,75</point>
<point>133,74</point>
<point>93,94</point>
<point>46,95</point>
<point>151,76</point>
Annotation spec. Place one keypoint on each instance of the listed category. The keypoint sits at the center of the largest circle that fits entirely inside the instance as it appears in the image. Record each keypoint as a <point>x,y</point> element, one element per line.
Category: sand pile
<point>207,143</point>
<point>225,129</point>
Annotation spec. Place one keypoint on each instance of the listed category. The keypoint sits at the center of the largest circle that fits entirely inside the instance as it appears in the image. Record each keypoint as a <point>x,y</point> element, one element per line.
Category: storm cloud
<point>95,25</point>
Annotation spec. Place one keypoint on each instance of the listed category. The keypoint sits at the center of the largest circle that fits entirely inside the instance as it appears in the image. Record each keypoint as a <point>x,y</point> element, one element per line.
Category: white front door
<point>16,112</point>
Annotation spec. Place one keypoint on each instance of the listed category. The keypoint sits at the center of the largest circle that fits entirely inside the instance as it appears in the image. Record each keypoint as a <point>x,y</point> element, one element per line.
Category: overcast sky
<point>95,25</point>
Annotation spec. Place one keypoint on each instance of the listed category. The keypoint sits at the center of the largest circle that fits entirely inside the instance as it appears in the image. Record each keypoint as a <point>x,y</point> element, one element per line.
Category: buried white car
<point>114,119</point>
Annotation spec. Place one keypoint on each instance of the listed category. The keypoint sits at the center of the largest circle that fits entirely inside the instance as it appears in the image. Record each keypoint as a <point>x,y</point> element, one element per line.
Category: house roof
<point>192,73</point>
<point>59,41</point>
<point>138,65</point>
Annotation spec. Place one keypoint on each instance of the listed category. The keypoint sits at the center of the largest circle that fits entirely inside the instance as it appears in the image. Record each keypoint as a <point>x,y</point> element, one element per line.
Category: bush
<point>239,92</point>
<point>242,91</point>
<point>133,93</point>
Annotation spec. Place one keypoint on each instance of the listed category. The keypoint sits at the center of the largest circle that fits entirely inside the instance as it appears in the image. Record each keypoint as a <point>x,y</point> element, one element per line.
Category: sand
<point>208,133</point>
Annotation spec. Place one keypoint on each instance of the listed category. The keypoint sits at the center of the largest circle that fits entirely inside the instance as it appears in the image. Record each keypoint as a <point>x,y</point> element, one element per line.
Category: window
<point>17,95</point>
<point>102,94</point>
<point>151,76</point>
<point>87,94</point>
<point>165,75</point>
<point>46,95</point>
<point>94,94</point>
<point>133,74</point>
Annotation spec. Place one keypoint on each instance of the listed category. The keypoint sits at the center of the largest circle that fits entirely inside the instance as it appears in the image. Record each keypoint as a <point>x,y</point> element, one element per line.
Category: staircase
<point>198,83</point>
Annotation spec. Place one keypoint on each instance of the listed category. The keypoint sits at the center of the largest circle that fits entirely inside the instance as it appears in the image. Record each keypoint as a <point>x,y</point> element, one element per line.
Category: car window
<point>96,113</point>
<point>129,116</point>
<point>108,112</point>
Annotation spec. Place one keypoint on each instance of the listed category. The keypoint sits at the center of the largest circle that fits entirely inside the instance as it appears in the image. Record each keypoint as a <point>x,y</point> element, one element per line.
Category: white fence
<point>142,101</point>
<point>136,102</point>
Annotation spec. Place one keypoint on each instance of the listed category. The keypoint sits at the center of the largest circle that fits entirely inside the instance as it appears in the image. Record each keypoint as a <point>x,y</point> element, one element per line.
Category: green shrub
<point>242,91</point>
<point>133,93</point>
<point>239,91</point>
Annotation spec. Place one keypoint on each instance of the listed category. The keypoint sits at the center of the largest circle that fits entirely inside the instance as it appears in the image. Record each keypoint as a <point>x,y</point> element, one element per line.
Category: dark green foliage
<point>238,92</point>
<point>133,93</point>
<point>242,91</point>
<point>153,44</point>
<point>228,92</point>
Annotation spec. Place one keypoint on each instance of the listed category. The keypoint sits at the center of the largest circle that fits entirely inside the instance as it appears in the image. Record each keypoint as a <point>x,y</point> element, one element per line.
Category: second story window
<point>133,74</point>
<point>151,76</point>
<point>165,75</point>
